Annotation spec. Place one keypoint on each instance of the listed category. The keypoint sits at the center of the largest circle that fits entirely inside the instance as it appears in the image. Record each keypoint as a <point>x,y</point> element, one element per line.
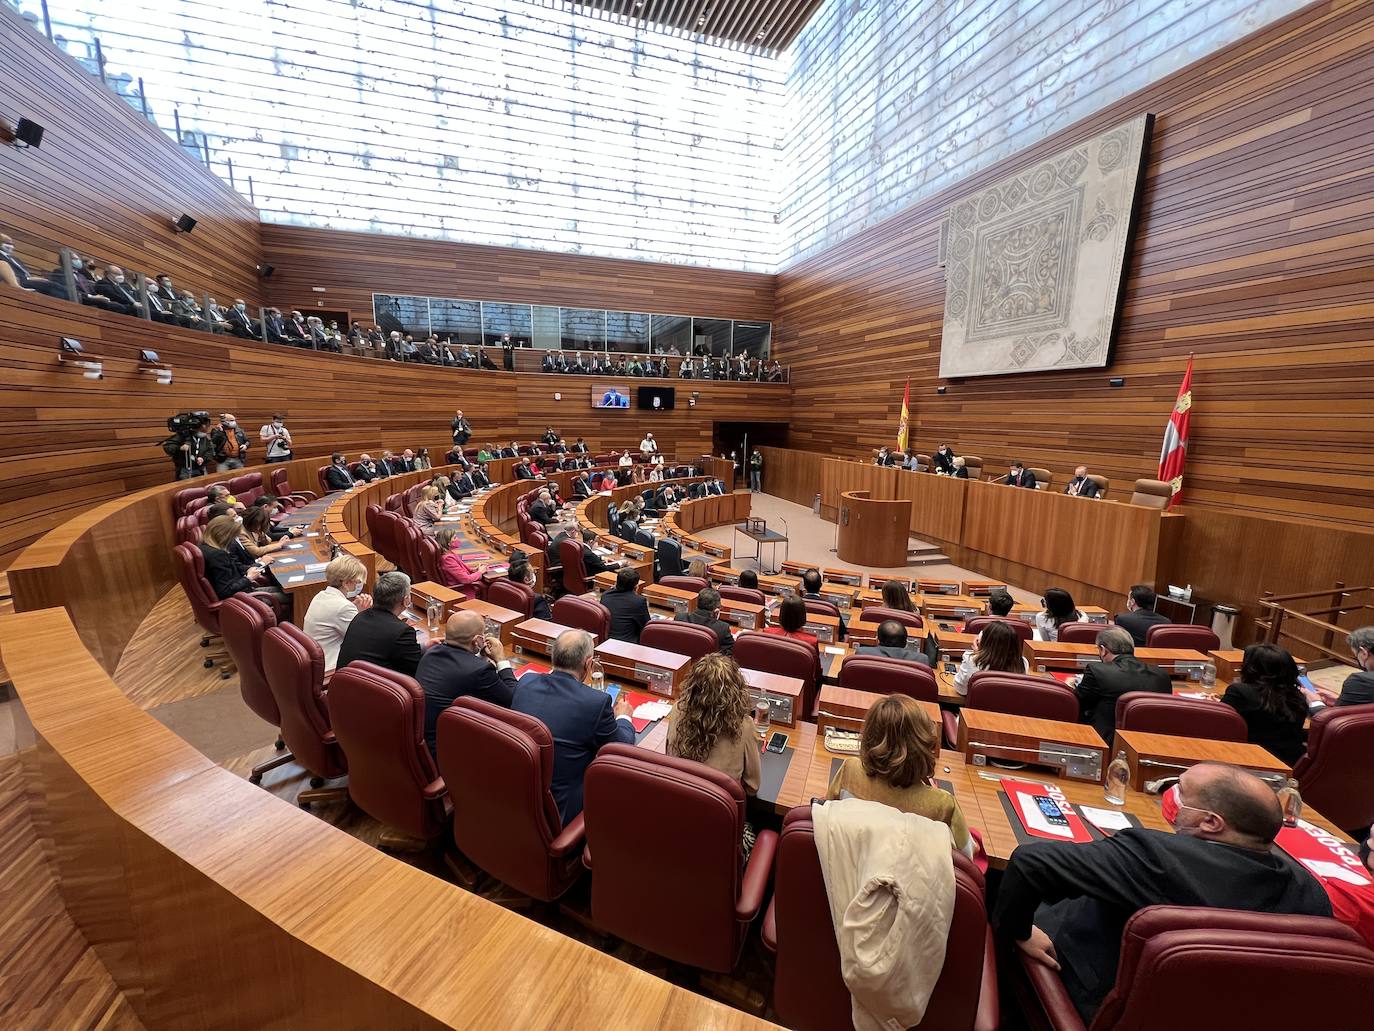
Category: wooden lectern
<point>872,532</point>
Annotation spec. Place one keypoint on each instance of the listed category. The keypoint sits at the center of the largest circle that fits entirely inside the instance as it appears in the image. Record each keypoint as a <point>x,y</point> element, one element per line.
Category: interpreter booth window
<point>753,339</point>
<point>514,319</point>
<point>459,322</point>
<point>583,329</point>
<point>627,331</point>
<point>711,336</point>
<point>672,333</point>
<point>401,314</point>
<point>548,327</point>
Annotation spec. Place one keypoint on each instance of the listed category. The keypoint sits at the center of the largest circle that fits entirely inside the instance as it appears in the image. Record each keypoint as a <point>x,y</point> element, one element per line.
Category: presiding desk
<point>873,532</point>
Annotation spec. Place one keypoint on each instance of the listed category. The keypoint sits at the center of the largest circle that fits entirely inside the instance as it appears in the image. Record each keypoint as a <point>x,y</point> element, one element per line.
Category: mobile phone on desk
<point>777,742</point>
<point>951,667</point>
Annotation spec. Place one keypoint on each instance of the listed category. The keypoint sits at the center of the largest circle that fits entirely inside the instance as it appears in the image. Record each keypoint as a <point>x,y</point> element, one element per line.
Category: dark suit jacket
<point>726,643</point>
<point>582,489</point>
<point>117,293</point>
<point>239,323</point>
<point>336,478</point>
<point>1086,489</point>
<point>961,473</point>
<point>1026,479</point>
<point>1358,689</point>
<point>1104,682</point>
<point>580,721</point>
<point>541,513</point>
<point>943,462</point>
<point>523,472</point>
<point>911,653</point>
<point>1283,738</point>
<point>462,432</point>
<point>448,673</point>
<point>592,562</point>
<point>225,571</point>
<point>1139,623</point>
<point>460,487</point>
<point>376,635</point>
<point>368,475</point>
<point>629,614</point>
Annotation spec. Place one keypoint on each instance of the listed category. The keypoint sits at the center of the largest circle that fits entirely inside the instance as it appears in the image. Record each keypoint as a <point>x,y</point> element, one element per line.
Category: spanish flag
<point>905,420</point>
<point>1175,447</point>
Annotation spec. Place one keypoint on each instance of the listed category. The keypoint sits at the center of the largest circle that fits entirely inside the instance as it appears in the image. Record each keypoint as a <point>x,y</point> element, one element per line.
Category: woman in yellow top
<point>428,512</point>
<point>897,749</point>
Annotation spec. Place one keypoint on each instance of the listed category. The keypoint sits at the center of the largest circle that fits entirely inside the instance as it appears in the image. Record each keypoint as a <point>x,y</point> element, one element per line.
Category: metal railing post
<point>100,61</point>
<point>143,96</point>
<point>47,22</point>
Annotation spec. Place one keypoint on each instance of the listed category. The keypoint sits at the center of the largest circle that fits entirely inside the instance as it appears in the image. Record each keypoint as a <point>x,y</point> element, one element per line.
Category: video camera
<point>184,423</point>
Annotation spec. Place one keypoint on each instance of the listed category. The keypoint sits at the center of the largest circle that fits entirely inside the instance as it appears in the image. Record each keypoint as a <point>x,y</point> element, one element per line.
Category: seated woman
<point>256,533</point>
<point>1273,704</point>
<point>997,648</point>
<point>333,609</point>
<point>428,512</point>
<point>628,523</point>
<point>697,567</point>
<point>898,746</point>
<point>713,721</point>
<point>897,595</point>
<point>960,468</point>
<point>791,617</point>
<point>226,566</point>
<point>523,573</point>
<point>453,571</point>
<point>1058,609</point>
<point>750,578</point>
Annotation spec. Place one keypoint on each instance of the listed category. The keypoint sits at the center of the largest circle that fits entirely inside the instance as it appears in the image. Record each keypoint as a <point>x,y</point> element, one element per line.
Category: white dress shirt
<point>648,444</point>
<point>326,622</point>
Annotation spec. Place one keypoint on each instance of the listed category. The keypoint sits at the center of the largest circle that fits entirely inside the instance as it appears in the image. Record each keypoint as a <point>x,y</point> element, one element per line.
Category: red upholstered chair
<point>585,614</point>
<point>1155,713</point>
<point>882,675</point>
<point>498,766</point>
<point>379,718</point>
<point>372,514</point>
<point>408,535</point>
<point>809,993</point>
<point>429,555</point>
<point>684,583</point>
<point>182,499</point>
<point>293,665</point>
<point>245,620</point>
<point>1024,630</point>
<point>823,608</point>
<point>745,594</point>
<point>574,568</point>
<point>393,503</point>
<point>786,656</point>
<point>247,488</point>
<point>1018,694</point>
<point>511,595</point>
<point>690,639</point>
<point>1201,968</point>
<point>1079,633</point>
<point>281,487</point>
<point>1182,635</point>
<point>878,613</point>
<point>205,604</point>
<point>553,575</point>
<point>684,821</point>
<point>1336,775</point>
<point>319,477</point>
<point>188,530</point>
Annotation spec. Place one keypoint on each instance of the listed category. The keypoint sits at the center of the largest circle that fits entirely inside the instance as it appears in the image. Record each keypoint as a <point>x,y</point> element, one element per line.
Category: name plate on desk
<point>840,597</point>
<point>499,622</point>
<point>1074,750</point>
<point>783,695</point>
<point>674,598</point>
<point>935,586</point>
<point>427,591</point>
<point>662,672</point>
<point>604,581</point>
<point>1155,757</point>
<point>826,628</point>
<point>844,708</point>
<point>742,614</point>
<point>536,635</point>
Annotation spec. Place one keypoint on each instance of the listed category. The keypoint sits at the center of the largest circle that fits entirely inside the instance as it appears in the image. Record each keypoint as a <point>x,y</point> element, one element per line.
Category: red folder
<point>1026,803</point>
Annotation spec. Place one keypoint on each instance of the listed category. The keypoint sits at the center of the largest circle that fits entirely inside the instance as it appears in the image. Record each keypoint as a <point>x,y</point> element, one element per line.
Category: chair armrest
<point>569,838</point>
<point>951,725</point>
<point>769,931</point>
<point>435,789</point>
<point>757,874</point>
<point>305,495</point>
<point>587,856</point>
<point>1053,996</point>
<point>989,1004</point>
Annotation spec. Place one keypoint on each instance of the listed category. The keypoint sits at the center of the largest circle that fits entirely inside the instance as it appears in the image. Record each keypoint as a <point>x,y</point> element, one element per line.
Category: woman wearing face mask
<point>227,565</point>
<point>523,573</point>
<point>256,534</point>
<point>330,612</point>
<point>453,571</point>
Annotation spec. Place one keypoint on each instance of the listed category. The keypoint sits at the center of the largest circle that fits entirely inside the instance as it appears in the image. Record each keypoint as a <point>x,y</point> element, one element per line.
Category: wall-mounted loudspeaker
<point>185,224</point>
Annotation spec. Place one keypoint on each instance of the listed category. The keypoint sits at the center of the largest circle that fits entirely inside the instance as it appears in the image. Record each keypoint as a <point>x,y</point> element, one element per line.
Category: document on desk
<point>295,579</point>
<point>294,547</point>
<point>1105,820</point>
<point>832,650</point>
<point>315,567</point>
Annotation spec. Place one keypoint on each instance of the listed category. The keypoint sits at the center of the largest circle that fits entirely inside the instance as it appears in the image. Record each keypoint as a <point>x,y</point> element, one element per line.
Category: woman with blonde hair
<point>897,749</point>
<point>697,567</point>
<point>453,571</point>
<point>713,721</point>
<point>225,566</point>
<point>333,609</point>
<point>428,512</point>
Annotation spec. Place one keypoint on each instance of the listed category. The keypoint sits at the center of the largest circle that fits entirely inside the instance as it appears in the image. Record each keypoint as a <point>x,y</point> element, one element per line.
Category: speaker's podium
<point>872,532</point>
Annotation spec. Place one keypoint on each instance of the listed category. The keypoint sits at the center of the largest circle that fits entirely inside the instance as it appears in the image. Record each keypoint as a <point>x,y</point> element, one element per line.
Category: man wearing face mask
<point>191,452</point>
<point>22,279</point>
<point>158,308</point>
<point>188,312</point>
<point>367,469</point>
<point>230,444</point>
<point>239,322</point>
<point>1065,905</point>
<point>218,323</point>
<point>116,291</point>
<point>333,609</point>
<point>466,663</point>
<point>277,438</point>
<point>337,476</point>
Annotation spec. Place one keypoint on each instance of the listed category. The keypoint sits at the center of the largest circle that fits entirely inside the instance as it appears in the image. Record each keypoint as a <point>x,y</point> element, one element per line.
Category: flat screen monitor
<point>607,395</point>
<point>657,399</point>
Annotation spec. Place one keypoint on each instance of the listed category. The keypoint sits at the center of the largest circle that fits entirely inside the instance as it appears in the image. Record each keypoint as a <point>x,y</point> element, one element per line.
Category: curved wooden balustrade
<point>215,904</point>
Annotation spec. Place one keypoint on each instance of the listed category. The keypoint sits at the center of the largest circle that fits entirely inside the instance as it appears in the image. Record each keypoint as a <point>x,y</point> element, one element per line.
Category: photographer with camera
<point>189,446</point>
<point>277,438</point>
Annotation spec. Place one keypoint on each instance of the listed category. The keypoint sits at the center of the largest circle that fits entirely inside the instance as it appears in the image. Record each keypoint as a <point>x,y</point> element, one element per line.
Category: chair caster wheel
<point>255,778</point>
<point>205,642</point>
<point>209,664</point>
<point>317,782</point>
<point>279,745</point>
<point>224,674</point>
<point>305,805</point>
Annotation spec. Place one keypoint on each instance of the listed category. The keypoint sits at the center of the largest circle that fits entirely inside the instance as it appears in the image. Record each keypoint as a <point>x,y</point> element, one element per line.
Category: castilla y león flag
<point>905,420</point>
<point>1175,448</point>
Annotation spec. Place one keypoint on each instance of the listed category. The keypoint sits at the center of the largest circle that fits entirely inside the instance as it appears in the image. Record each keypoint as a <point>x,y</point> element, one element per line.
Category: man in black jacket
<point>337,476</point>
<point>1358,688</point>
<point>580,448</point>
<point>707,614</point>
<point>541,509</point>
<point>116,292</point>
<point>523,471</point>
<point>368,470</point>
<point>462,430</point>
<point>591,561</point>
<point>1065,905</point>
<point>629,610</point>
<point>461,486</point>
<point>582,486</point>
<point>467,663</point>
<point>191,453</point>
<point>943,459</point>
<point>239,322</point>
<point>1020,476</point>
<point>1104,682</point>
<point>1140,614</point>
<point>379,634</point>
<point>1080,486</point>
<point>479,476</point>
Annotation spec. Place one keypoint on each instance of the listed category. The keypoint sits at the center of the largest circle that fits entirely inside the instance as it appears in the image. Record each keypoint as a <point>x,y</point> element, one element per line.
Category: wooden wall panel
<point>1255,250</point>
<point>352,266</point>
<point>108,183</point>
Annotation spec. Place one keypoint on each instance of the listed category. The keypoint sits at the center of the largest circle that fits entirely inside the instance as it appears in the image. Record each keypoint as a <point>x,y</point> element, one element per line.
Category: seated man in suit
<point>479,477</point>
<point>337,476</point>
<point>239,322</point>
<point>541,510</point>
<point>580,448</point>
<point>117,293</point>
<point>465,663</point>
<point>1020,476</point>
<point>1358,688</point>
<point>629,610</point>
<point>367,469</point>
<point>523,471</point>
<point>582,486</point>
<point>707,614</point>
<point>668,496</point>
<point>1140,614</point>
<point>811,586</point>
<point>379,634</point>
<point>591,561</point>
<point>548,364</point>
<point>1080,486</point>
<point>580,720</point>
<point>1119,671</point>
<point>461,486</point>
<point>892,644</point>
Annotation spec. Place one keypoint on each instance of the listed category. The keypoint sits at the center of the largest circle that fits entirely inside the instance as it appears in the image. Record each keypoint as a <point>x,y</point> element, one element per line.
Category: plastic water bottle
<point>1291,801</point>
<point>1118,779</point>
<point>1209,676</point>
<point>598,678</point>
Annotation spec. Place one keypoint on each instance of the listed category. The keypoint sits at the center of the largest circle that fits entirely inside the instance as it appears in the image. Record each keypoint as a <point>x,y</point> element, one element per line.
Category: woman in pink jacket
<point>453,570</point>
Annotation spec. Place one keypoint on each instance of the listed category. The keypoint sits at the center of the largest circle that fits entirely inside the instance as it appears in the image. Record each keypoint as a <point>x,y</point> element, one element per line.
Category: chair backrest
<point>430,555</point>
<point>745,594</point>
<point>372,514</point>
<point>379,718</point>
<point>1212,961</point>
<point>974,465</point>
<point>809,992</point>
<point>690,639</point>
<point>1103,484</point>
<point>879,613</point>
<point>1182,635</point>
<point>1024,630</point>
<point>281,482</point>
<point>247,488</point>
<point>1152,493</point>
<point>498,765</point>
<point>822,608</point>
<point>1079,633</point>
<point>244,621</point>
<point>882,675</point>
<point>181,500</point>
<point>786,656</point>
<point>1153,713</point>
<point>1336,776</point>
<point>319,475</point>
<point>1043,478</point>
<point>669,555</point>
<point>408,547</point>
<point>190,565</point>
<point>511,595</point>
<point>684,583</point>
<point>570,556</point>
<point>1022,695</point>
<point>294,667</point>
<point>393,502</point>
<point>685,822</point>
<point>585,614</point>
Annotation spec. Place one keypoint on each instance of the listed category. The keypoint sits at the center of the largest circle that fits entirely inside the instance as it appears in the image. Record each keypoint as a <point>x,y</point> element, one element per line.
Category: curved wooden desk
<point>193,885</point>
<point>872,532</point>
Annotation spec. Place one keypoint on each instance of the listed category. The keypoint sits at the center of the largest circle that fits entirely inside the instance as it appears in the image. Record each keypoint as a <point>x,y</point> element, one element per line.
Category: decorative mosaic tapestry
<point>1033,264</point>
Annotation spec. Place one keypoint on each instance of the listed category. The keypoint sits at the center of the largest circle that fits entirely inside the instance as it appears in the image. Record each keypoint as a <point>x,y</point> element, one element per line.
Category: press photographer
<point>189,446</point>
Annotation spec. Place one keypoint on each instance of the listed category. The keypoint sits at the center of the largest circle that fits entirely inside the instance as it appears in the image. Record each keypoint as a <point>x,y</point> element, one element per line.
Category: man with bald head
<point>467,661</point>
<point>1080,486</point>
<point>1065,904</point>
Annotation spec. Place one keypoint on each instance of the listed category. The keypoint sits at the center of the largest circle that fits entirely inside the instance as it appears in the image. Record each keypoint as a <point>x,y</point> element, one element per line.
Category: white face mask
<point>76,264</point>
<point>119,279</point>
<point>8,248</point>
<point>355,590</point>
